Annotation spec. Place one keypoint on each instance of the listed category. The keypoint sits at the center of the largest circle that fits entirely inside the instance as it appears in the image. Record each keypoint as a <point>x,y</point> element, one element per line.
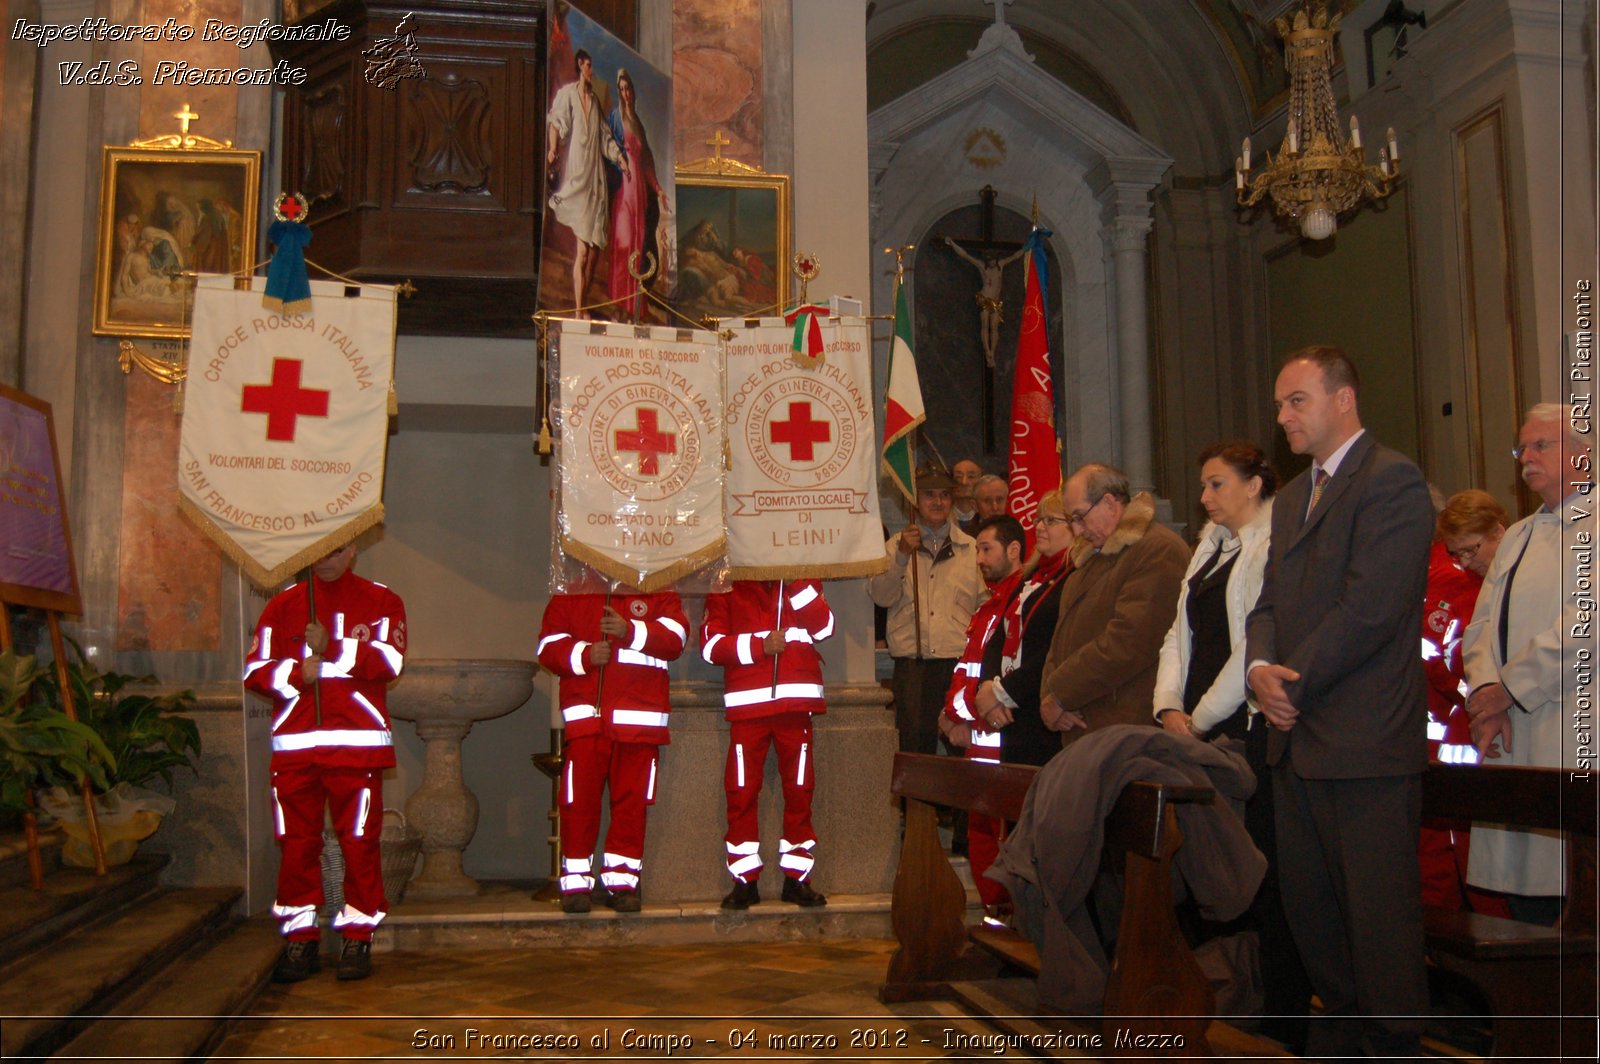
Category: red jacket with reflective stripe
<point>366,625</point>
<point>960,700</point>
<point>738,620</point>
<point>632,689</point>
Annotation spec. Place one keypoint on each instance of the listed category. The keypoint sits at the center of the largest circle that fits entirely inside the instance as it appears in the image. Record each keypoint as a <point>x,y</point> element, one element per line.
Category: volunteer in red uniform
<point>764,634</point>
<point>327,676</point>
<point>611,652</point>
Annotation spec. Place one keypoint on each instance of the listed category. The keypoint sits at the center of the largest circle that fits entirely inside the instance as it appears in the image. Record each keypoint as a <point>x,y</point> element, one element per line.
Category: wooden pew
<point>1155,987</point>
<point>1540,981</point>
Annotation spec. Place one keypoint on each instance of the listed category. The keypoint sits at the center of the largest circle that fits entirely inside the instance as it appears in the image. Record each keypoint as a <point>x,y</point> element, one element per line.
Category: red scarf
<point>1050,572</point>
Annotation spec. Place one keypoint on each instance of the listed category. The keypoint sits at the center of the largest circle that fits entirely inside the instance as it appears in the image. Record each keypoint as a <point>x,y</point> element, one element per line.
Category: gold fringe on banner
<point>268,579</point>
<point>648,582</point>
<point>839,571</point>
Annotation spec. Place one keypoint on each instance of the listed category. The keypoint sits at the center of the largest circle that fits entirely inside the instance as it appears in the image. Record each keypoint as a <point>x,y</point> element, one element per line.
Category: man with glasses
<point>1522,649</point>
<point>1116,606</point>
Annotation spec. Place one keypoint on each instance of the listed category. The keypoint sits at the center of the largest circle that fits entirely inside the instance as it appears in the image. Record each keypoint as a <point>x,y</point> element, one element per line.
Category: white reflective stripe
<point>619,880</point>
<point>579,650</point>
<point>1453,754</point>
<point>251,666</point>
<point>547,640</point>
<point>280,679</point>
<point>346,661</point>
<point>394,658</point>
<point>796,635</point>
<point>616,860</point>
<point>569,786</point>
<point>969,668</point>
<point>800,776</point>
<point>959,703</point>
<point>573,884</point>
<point>266,643</point>
<point>382,633</point>
<point>650,788</point>
<point>797,861</point>
<point>351,915</point>
<point>641,718</point>
<point>738,868</point>
<point>641,632</point>
<point>745,655</point>
<point>734,699</point>
<point>624,656</point>
<point>675,628</point>
<point>372,710</point>
<point>362,812</point>
<point>331,737</point>
<point>576,865</point>
<point>785,846</point>
<point>277,812</point>
<point>1429,651</point>
<point>826,630</point>
<point>338,624</point>
<point>803,598</point>
<point>987,760</point>
<point>705,651</point>
<point>736,848</point>
<point>986,738</point>
<point>1436,731</point>
<point>294,917</point>
<point>583,712</point>
<point>738,758</point>
<point>277,722</point>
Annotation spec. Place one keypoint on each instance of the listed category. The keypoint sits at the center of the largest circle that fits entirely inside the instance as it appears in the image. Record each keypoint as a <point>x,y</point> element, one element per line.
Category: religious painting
<point>733,240</point>
<point>166,215</point>
<point>608,167</point>
<point>36,565</point>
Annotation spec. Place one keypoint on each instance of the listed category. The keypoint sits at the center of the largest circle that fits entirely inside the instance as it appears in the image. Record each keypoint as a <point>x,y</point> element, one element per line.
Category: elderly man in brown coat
<point>1116,606</point>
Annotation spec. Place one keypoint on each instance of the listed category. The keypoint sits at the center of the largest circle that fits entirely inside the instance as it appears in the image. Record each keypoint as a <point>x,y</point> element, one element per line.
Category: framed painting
<point>166,215</point>
<point>36,564</point>
<point>733,240</point>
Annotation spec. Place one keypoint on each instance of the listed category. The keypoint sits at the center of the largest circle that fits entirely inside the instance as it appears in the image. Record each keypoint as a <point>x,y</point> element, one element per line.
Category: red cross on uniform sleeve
<point>284,400</point>
<point>800,432</point>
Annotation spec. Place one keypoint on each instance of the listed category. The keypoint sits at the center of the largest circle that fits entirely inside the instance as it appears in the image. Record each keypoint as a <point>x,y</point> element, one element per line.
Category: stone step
<point>184,1013</point>
<point>71,898</point>
<point>45,998</point>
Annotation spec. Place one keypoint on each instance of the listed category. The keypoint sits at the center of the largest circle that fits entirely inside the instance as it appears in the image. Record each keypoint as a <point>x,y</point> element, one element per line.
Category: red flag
<point>1035,465</point>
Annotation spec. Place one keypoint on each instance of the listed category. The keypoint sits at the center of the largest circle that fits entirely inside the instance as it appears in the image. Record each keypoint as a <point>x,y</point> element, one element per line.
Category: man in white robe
<point>581,202</point>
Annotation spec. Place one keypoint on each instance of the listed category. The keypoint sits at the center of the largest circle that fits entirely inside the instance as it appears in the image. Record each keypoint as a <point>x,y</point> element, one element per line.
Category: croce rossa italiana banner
<point>639,413</point>
<point>802,494</point>
<point>285,422</point>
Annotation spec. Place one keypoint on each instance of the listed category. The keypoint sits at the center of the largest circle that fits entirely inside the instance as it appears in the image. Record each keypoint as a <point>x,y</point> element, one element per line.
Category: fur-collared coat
<point>1116,608</point>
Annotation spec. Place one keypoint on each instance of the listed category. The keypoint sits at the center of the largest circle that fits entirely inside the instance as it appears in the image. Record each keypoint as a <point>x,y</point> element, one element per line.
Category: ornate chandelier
<point>1318,173</point>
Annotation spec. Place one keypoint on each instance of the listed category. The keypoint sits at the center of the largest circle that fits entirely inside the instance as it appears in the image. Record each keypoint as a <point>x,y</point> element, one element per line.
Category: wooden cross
<point>184,117</point>
<point>717,143</point>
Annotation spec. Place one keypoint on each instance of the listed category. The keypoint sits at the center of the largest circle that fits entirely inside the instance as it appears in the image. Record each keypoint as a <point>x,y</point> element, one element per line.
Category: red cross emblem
<point>648,441</point>
<point>284,400</point>
<point>800,432</point>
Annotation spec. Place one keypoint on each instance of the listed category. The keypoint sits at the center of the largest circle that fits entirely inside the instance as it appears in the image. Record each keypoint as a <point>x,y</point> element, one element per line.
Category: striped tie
<point>1319,480</point>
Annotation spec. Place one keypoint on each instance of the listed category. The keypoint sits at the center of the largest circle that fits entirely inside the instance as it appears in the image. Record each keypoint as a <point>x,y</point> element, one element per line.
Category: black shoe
<point>800,893</point>
<point>355,961</point>
<point>625,901</point>
<point>299,960</point>
<point>743,895</point>
<point>576,901</point>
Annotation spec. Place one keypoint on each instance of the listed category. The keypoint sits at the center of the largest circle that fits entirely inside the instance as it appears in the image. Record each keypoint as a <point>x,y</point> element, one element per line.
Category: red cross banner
<point>285,422</point>
<point>639,416</point>
<point>802,495</point>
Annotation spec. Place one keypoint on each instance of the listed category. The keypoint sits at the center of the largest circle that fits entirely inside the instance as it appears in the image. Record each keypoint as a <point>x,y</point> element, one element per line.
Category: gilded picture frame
<point>166,214</point>
<point>733,224</point>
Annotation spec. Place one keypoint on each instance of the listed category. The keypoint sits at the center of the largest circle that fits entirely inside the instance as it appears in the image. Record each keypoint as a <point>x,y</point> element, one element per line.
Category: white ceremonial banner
<point>802,496</point>
<point>639,415</point>
<point>285,422</point>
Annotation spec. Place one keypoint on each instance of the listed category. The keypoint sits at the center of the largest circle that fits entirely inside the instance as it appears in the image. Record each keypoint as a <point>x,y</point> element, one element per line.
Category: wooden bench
<point>1155,988</point>
<point>1539,981</point>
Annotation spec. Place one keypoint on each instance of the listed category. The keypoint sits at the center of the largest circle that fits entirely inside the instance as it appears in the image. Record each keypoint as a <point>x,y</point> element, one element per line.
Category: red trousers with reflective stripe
<point>300,793</point>
<point>591,762</point>
<point>747,743</point>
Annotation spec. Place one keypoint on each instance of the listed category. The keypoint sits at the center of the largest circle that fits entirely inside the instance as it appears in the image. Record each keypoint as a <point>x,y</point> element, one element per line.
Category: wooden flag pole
<point>600,670</point>
<point>779,630</point>
<point>316,681</point>
<point>30,819</point>
<point>916,575</point>
<point>59,647</point>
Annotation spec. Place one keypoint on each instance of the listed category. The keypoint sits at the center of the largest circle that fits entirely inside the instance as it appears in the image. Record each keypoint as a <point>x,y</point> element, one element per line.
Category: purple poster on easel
<point>36,567</point>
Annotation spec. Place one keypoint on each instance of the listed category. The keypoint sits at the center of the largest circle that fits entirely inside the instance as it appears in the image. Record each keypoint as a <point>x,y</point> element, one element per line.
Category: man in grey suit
<point>1332,647</point>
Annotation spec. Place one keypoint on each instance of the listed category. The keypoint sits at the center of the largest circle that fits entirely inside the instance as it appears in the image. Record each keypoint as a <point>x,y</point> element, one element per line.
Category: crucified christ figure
<point>990,272</point>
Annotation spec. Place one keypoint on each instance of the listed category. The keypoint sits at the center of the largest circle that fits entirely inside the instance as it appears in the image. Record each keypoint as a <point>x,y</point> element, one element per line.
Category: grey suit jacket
<point>1341,604</point>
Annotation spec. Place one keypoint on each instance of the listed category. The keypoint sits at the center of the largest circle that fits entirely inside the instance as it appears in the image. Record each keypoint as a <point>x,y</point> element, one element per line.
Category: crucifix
<point>990,257</point>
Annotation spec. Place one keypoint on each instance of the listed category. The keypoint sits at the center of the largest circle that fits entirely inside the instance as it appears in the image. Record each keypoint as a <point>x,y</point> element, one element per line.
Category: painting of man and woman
<point>609,177</point>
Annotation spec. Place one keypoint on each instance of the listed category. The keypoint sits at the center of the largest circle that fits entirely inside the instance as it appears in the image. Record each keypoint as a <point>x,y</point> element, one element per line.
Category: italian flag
<point>903,410</point>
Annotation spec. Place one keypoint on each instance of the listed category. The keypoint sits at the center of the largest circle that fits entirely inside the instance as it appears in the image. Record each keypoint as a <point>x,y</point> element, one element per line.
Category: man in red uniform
<point>324,652</point>
<point>764,634</point>
<point>611,651</point>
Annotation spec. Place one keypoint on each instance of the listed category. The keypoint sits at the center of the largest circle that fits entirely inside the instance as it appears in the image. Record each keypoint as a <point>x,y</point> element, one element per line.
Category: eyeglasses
<point>1081,516</point>
<point>1051,521</point>
<point>1466,554</point>
<point>1537,447</point>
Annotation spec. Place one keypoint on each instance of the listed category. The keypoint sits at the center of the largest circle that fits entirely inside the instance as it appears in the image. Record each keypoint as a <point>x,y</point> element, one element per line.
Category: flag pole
<point>899,254</point>
<point>779,630</point>
<point>316,681</point>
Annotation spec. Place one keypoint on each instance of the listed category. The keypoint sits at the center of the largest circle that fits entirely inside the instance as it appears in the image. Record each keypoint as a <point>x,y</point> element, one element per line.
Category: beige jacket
<point>951,589</point>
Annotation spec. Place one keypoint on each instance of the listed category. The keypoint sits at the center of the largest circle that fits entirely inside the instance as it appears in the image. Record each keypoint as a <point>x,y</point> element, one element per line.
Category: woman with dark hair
<point>1200,688</point>
<point>637,202</point>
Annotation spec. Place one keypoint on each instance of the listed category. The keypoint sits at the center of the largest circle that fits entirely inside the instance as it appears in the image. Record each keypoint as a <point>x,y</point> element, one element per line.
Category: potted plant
<point>40,746</point>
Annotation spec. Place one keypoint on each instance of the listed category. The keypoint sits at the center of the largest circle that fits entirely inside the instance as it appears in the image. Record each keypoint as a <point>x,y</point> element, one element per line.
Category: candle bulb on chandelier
<point>1238,175</point>
<point>1355,132</point>
<point>1246,153</point>
<point>1383,161</point>
<point>1294,139</point>
<point>1394,146</point>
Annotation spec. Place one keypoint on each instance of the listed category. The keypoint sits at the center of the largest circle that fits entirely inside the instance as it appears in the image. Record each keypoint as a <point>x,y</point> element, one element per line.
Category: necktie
<point>1505,600</point>
<point>1319,480</point>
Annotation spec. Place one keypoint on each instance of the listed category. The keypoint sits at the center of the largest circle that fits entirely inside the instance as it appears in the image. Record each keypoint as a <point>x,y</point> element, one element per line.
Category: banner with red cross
<point>639,416</point>
<point>802,496</point>
<point>285,422</point>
